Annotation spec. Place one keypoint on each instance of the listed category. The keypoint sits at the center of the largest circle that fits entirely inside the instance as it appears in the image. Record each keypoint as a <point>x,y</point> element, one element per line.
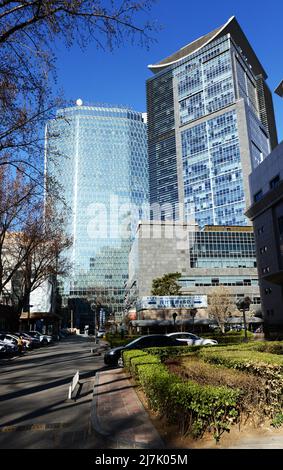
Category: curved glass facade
<point>99,157</point>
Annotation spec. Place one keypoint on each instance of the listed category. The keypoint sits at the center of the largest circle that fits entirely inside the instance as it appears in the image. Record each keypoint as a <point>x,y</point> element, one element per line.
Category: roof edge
<point>233,27</point>
<point>152,67</point>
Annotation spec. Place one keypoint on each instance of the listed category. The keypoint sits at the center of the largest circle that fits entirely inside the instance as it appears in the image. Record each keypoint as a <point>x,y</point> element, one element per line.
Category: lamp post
<point>244,305</point>
<point>93,308</point>
<point>193,313</point>
<point>174,319</point>
<point>28,307</point>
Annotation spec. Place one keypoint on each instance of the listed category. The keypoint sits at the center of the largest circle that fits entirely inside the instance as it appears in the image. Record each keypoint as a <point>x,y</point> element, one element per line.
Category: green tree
<point>166,285</point>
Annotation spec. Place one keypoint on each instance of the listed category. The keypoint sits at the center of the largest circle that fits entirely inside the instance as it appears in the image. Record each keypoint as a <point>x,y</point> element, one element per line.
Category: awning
<point>39,316</point>
<point>240,320</point>
<point>190,321</point>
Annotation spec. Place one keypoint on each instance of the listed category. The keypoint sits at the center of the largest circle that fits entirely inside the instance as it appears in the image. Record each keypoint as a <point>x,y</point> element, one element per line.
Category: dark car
<point>113,356</point>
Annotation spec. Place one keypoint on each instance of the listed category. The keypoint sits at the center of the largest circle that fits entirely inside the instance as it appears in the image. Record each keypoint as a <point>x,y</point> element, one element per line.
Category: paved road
<point>34,410</point>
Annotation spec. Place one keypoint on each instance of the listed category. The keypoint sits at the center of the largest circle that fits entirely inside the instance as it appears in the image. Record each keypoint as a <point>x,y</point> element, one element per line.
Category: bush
<point>230,337</point>
<point>133,361</point>
<point>265,365</point>
<point>201,408</point>
<point>194,407</point>
<point>193,368</point>
<point>172,351</point>
<point>277,421</point>
<point>116,340</point>
<point>129,355</point>
<point>272,347</point>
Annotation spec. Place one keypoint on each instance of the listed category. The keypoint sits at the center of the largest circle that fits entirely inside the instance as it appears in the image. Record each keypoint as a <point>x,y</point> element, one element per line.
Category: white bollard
<point>73,384</point>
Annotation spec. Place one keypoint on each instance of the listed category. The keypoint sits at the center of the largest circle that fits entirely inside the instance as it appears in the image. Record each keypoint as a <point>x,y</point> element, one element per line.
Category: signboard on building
<point>169,301</point>
<point>41,298</point>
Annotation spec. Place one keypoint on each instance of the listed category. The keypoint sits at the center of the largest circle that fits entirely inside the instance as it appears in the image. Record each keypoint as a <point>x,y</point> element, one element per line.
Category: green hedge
<point>129,355</point>
<point>133,359</point>
<point>116,340</point>
<point>172,351</point>
<point>274,347</point>
<point>230,337</point>
<point>195,408</point>
<point>262,364</point>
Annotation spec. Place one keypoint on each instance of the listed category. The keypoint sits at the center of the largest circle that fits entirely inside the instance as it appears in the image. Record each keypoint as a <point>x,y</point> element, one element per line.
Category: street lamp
<point>174,319</point>
<point>28,307</point>
<point>244,305</point>
<point>93,308</point>
<point>193,313</point>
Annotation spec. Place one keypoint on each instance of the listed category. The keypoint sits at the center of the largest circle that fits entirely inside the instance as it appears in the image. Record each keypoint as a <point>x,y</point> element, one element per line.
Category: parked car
<point>190,339</point>
<point>26,341</point>
<point>44,339</point>
<point>10,341</point>
<point>113,357</point>
<point>10,349</point>
<point>9,338</point>
<point>101,333</point>
<point>3,349</point>
<point>34,341</point>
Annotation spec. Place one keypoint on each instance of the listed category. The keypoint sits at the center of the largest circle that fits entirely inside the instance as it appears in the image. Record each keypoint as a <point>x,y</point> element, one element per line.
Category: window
<point>274,182</point>
<point>261,229</point>
<point>263,249</point>
<point>258,196</point>
<point>266,270</point>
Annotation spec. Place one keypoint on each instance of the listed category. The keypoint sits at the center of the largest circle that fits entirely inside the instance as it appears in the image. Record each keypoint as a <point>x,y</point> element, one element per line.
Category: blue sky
<point>119,77</point>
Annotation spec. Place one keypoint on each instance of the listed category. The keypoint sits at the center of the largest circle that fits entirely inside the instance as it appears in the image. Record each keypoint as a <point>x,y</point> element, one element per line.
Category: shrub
<point>172,351</point>
<point>265,365</point>
<point>230,337</point>
<point>129,355</point>
<point>133,361</point>
<point>116,340</point>
<point>194,407</point>
<point>277,421</point>
<point>274,347</point>
<point>156,382</point>
<point>193,368</point>
<point>200,408</point>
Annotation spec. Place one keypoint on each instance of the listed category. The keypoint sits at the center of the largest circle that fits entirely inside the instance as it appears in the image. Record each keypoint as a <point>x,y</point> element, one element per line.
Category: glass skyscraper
<point>210,123</point>
<point>98,154</point>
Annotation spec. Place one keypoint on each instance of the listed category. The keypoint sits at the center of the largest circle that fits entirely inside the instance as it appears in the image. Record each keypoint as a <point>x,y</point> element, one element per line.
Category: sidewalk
<point>118,415</point>
<point>120,421</point>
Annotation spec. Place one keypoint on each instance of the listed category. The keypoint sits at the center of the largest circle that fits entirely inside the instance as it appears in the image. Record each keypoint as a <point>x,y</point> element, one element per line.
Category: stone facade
<point>266,212</point>
<point>154,253</point>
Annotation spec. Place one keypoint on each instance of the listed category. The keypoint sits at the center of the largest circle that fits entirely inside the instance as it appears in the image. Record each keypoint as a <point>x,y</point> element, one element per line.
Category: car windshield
<point>134,342</point>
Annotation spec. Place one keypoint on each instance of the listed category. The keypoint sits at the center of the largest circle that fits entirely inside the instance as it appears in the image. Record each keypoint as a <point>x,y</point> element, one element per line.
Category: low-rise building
<point>213,256</point>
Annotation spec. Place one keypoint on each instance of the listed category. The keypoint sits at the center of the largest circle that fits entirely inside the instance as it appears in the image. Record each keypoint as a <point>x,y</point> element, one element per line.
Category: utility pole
<point>94,308</point>
<point>72,319</point>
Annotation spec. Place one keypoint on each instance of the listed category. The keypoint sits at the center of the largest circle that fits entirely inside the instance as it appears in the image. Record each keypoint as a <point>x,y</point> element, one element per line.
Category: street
<point>34,410</point>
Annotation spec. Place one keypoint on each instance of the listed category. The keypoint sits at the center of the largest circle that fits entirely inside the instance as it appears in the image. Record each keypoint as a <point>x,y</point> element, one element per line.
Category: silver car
<point>189,339</point>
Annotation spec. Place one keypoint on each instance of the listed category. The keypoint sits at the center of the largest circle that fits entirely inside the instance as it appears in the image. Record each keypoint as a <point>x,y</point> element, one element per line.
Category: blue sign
<point>169,301</point>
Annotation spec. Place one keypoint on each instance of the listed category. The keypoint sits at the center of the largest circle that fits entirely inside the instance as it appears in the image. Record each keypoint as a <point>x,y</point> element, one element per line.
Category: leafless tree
<point>32,242</point>
<point>220,305</point>
<point>28,30</point>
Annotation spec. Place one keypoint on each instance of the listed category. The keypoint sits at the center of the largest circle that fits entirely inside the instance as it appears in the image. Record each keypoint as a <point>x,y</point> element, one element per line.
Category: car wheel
<point>120,362</point>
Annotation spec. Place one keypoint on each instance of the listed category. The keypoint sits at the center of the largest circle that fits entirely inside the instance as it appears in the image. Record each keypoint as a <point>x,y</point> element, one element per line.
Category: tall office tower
<point>99,156</point>
<point>210,122</point>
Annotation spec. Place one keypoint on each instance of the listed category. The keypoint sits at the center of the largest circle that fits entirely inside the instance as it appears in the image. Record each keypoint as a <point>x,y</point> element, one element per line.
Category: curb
<point>98,428</point>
